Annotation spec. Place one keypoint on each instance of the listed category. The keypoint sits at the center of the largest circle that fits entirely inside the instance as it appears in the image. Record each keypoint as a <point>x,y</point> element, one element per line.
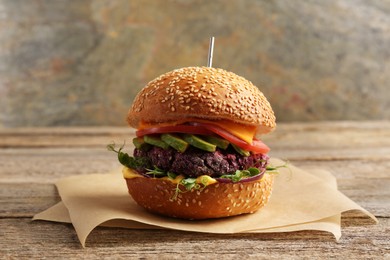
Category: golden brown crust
<point>214,201</point>
<point>204,93</point>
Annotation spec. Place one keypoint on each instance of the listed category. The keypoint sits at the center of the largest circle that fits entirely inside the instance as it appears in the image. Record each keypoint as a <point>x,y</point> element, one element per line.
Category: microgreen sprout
<point>238,175</point>
<point>189,184</point>
<point>275,169</point>
<point>127,160</point>
<point>156,172</point>
<point>171,175</point>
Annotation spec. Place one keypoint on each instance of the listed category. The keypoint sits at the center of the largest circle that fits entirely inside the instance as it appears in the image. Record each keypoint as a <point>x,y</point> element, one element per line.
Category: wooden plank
<point>28,199</point>
<point>26,239</point>
<point>314,134</point>
<point>49,164</point>
<point>364,181</point>
<point>43,165</point>
<point>63,137</point>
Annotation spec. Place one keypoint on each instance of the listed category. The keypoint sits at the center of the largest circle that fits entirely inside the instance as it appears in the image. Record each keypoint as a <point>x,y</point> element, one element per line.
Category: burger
<point>197,149</point>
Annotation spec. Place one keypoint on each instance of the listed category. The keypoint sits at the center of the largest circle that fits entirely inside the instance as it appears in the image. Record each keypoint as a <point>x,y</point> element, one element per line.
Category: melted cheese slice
<point>244,132</point>
<point>204,179</point>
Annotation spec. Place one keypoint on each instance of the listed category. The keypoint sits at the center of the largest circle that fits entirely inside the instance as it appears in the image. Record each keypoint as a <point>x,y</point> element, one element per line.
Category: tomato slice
<point>256,146</point>
<point>187,129</point>
<point>260,146</point>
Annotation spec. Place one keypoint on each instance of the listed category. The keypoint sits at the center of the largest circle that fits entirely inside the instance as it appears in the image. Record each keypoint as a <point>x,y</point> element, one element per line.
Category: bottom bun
<point>214,201</point>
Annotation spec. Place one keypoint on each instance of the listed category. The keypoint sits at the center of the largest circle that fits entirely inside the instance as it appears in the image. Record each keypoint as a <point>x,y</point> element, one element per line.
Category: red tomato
<point>260,146</point>
<point>257,146</point>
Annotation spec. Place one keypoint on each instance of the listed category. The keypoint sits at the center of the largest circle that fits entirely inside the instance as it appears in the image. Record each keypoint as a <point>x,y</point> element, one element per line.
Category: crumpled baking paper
<point>301,200</point>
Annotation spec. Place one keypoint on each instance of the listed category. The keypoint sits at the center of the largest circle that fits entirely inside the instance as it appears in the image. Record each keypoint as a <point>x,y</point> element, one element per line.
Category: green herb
<point>156,172</point>
<point>189,184</point>
<point>171,175</point>
<point>274,169</point>
<point>240,174</point>
<point>126,159</point>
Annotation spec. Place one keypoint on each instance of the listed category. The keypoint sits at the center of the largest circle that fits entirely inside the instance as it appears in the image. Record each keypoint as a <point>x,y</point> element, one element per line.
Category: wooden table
<point>32,159</point>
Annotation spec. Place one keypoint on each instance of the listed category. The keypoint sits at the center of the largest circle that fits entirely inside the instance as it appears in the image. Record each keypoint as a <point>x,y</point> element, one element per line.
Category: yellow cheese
<point>129,173</point>
<point>176,180</point>
<point>244,132</point>
<point>204,179</point>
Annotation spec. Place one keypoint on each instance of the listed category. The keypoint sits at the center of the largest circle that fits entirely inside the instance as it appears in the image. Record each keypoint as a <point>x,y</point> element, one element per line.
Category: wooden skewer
<point>211,50</point>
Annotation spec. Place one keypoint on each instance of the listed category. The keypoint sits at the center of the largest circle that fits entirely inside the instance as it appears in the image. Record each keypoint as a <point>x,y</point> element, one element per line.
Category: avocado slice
<point>199,143</point>
<point>139,143</point>
<point>175,142</point>
<point>241,151</point>
<point>156,141</point>
<point>219,142</point>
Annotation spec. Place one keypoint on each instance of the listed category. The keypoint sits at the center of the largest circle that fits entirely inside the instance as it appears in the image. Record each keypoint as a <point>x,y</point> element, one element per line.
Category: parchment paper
<point>300,201</point>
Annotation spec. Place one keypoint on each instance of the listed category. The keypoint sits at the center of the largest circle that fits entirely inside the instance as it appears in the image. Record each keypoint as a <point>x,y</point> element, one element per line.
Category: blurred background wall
<point>65,62</point>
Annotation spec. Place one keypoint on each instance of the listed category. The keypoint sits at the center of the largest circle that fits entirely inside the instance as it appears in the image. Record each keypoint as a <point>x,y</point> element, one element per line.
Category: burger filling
<point>192,156</point>
<point>194,149</point>
<point>195,162</point>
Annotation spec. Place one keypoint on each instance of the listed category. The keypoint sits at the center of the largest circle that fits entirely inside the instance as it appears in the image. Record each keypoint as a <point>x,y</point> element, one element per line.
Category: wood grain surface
<point>32,159</point>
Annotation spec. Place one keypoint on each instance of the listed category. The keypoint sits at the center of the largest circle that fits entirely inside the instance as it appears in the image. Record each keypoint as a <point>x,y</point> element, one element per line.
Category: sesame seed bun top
<point>201,93</point>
